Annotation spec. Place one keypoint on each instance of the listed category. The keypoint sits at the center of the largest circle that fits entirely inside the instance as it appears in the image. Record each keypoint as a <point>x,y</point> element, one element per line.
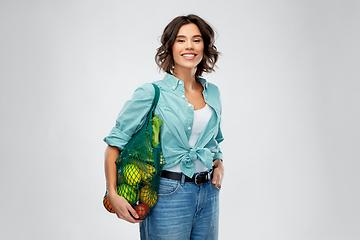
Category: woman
<point>188,197</point>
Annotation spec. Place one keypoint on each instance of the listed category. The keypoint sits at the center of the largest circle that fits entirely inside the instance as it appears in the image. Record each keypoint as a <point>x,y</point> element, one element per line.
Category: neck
<point>187,76</point>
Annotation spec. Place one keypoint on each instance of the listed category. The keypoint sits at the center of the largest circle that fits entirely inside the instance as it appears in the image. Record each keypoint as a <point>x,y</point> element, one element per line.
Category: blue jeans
<point>184,211</point>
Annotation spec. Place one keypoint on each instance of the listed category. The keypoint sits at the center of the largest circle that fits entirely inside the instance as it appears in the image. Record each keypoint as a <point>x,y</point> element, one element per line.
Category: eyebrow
<point>182,36</point>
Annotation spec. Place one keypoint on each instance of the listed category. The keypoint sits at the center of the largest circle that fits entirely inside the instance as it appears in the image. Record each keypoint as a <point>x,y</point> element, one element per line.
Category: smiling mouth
<point>189,56</point>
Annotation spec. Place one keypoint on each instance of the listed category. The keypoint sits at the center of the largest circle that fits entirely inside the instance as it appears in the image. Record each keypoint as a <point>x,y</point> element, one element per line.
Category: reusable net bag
<point>140,164</point>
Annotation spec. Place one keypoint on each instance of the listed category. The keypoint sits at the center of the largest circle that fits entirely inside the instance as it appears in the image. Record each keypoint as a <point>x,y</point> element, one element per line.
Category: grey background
<point>289,76</point>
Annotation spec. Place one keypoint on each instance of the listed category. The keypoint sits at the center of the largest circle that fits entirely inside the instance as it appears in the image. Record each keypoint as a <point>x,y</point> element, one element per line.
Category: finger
<point>128,217</point>
<point>217,179</point>
<point>214,178</point>
<point>218,182</point>
<point>131,219</point>
<point>133,213</point>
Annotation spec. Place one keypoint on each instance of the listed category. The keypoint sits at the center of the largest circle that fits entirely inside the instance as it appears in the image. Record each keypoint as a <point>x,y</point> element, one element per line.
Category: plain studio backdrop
<point>290,83</point>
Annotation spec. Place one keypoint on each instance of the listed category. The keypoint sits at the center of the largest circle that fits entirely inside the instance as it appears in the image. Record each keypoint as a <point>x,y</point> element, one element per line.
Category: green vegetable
<point>156,123</point>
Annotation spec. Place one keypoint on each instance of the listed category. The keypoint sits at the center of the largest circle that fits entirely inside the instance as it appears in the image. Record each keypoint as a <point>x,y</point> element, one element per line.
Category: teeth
<point>188,55</point>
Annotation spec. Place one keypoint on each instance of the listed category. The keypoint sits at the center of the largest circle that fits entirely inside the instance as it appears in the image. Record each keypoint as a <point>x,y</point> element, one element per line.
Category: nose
<point>189,45</point>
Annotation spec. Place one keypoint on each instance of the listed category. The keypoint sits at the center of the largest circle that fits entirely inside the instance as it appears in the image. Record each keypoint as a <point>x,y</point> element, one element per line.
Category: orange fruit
<point>142,210</point>
<point>147,172</point>
<point>148,196</point>
<point>107,204</point>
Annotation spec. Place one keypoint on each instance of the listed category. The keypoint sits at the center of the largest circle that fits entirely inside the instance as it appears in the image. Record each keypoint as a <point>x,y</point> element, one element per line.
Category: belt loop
<point>182,179</point>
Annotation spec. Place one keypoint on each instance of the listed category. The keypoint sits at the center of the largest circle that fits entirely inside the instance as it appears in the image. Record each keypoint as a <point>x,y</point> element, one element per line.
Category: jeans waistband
<point>198,178</point>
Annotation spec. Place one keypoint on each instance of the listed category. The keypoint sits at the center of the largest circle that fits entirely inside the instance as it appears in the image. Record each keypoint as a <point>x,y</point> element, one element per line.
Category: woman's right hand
<point>123,209</point>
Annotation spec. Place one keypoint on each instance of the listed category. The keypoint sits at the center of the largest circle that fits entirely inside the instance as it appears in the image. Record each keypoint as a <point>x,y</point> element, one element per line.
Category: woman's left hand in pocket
<point>218,173</point>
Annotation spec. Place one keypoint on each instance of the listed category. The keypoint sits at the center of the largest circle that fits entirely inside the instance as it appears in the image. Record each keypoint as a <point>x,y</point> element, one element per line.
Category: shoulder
<point>160,83</point>
<point>145,91</point>
<point>213,88</point>
<point>213,91</point>
<point>210,87</point>
<point>212,95</point>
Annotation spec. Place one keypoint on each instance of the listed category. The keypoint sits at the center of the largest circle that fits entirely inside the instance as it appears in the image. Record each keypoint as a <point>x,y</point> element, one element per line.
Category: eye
<point>180,40</point>
<point>197,40</point>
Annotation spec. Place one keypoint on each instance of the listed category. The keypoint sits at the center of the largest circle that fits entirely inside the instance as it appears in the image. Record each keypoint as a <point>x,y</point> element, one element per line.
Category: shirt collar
<point>174,82</point>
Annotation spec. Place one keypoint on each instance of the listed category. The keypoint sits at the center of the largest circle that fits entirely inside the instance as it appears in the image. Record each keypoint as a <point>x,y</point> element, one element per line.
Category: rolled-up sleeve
<point>131,117</point>
<point>219,138</point>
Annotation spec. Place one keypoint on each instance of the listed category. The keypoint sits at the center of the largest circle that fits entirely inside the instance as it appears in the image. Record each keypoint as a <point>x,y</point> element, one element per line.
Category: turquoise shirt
<point>177,115</point>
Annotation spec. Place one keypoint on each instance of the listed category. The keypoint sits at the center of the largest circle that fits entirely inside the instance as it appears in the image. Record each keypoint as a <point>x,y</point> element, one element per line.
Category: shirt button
<point>183,96</point>
<point>173,87</point>
<point>189,128</point>
<point>189,105</point>
<point>180,82</point>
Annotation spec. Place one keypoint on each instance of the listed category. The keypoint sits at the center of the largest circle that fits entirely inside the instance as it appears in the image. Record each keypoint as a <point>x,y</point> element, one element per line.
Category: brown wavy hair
<point>164,57</point>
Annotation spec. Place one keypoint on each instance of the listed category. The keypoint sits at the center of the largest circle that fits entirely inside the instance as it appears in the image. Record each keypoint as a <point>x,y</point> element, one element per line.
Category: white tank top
<point>201,118</point>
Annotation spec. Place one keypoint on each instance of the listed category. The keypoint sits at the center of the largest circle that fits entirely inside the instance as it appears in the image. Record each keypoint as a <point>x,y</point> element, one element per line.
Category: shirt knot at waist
<point>192,154</point>
<point>187,163</point>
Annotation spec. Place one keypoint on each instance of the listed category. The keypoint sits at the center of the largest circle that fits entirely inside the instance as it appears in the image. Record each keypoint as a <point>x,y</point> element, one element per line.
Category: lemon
<point>132,174</point>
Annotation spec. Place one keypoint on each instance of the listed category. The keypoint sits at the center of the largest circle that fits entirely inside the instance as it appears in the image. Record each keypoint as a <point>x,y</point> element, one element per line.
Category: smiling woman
<point>164,57</point>
<point>190,109</point>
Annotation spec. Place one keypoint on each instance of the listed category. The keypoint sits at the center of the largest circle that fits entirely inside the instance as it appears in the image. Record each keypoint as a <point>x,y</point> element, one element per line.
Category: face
<point>188,48</point>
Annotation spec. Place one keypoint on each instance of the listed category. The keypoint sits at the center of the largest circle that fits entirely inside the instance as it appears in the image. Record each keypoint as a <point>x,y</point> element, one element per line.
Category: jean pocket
<point>168,187</point>
<point>214,186</point>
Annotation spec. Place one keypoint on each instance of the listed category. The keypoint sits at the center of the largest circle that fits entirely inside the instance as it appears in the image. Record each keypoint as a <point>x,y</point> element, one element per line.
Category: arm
<point>121,207</point>
<point>218,174</point>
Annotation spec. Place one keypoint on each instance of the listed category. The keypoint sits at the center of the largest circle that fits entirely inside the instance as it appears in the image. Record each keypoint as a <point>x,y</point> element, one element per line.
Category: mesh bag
<point>139,166</point>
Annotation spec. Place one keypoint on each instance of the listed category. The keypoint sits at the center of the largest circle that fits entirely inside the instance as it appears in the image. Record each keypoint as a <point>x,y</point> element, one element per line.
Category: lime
<point>128,192</point>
